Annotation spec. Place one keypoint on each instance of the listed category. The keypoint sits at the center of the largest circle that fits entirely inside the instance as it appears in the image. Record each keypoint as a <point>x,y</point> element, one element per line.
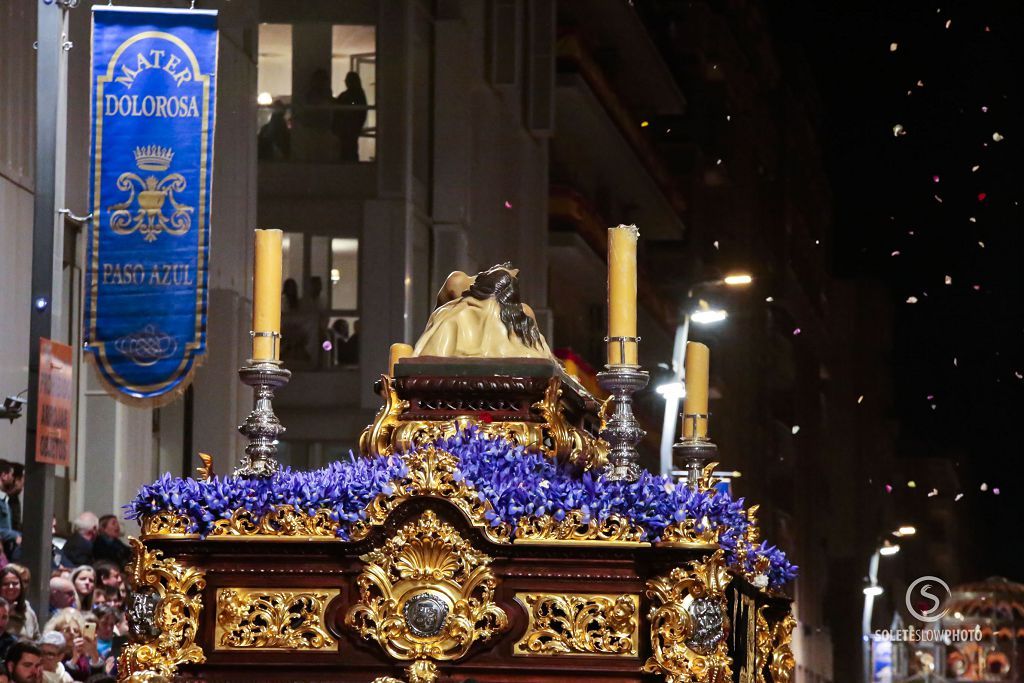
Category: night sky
<point>921,129</point>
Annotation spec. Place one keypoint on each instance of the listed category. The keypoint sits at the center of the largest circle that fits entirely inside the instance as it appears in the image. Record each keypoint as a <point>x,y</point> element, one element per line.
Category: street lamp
<point>704,316</point>
<point>887,549</point>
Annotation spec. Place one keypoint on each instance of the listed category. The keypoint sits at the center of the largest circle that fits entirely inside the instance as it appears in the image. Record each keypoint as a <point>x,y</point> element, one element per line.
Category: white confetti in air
<point>958,497</point>
<point>974,169</point>
<point>716,244</point>
<point>995,491</point>
<point>955,363</point>
<point>949,280</point>
<point>984,486</point>
<point>937,198</point>
<point>769,299</point>
<point>948,22</point>
<point>796,429</point>
<point>1018,375</point>
<point>911,299</point>
<point>981,244</point>
<point>898,130</point>
<point>860,399</point>
<point>933,493</point>
<point>997,136</point>
<point>911,484</point>
<point>973,219</point>
<point>893,47</point>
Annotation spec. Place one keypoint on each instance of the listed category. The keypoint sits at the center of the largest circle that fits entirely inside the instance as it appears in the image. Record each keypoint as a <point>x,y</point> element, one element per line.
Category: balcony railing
<point>322,133</point>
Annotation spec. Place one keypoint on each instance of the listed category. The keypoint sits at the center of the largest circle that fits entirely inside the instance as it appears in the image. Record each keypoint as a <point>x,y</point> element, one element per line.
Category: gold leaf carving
<point>283,520</point>
<point>432,472</point>
<point>178,589</point>
<point>688,623</point>
<point>254,618</point>
<point>613,529</point>
<point>688,533</point>
<point>783,662</point>
<point>426,593</point>
<point>579,624</point>
<point>165,523</point>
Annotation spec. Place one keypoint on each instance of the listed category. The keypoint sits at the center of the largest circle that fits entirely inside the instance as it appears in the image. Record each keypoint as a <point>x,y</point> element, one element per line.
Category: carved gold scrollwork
<point>282,521</point>
<point>579,624</point>
<point>613,529</point>
<point>762,643</point>
<point>689,622</point>
<point>432,472</point>
<point>376,439</point>
<point>688,534</point>
<point>783,662</point>
<point>570,443</point>
<point>426,594</point>
<point>165,523</point>
<point>177,591</point>
<point>421,671</point>
<point>266,619</point>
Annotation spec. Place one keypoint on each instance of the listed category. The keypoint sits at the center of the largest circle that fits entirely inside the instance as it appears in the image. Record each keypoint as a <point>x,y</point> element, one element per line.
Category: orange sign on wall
<point>53,416</point>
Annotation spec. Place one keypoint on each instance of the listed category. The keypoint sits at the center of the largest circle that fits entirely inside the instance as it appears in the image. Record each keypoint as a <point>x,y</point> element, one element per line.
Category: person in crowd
<point>24,663</point>
<point>9,535</point>
<point>99,596</point>
<point>6,639</point>
<point>62,594</point>
<point>12,482</point>
<point>274,140</point>
<point>78,550</point>
<point>349,120</point>
<point>293,335</point>
<point>349,354</point>
<point>107,620</point>
<point>318,97</point>
<point>108,544</point>
<point>53,645</point>
<point>22,619</point>
<point>109,574</point>
<point>81,657</point>
<point>84,579</point>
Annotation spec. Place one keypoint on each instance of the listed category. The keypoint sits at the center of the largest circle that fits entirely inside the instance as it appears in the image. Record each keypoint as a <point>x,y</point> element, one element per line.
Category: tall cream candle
<point>398,352</point>
<point>266,294</point>
<point>697,365</point>
<point>622,293</point>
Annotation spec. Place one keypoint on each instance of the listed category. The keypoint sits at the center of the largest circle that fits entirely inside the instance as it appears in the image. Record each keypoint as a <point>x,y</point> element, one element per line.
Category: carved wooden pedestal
<point>428,596</point>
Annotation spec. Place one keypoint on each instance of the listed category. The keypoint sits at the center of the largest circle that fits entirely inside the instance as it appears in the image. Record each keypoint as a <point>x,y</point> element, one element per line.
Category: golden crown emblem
<point>153,158</point>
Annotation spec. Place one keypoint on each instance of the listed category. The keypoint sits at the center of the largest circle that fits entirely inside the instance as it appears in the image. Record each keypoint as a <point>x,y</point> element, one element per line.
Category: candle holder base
<point>261,427</point>
<point>622,431</point>
<point>694,455</point>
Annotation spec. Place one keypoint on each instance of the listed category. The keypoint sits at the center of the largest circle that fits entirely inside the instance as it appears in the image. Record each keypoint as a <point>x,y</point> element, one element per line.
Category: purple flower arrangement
<point>516,482</point>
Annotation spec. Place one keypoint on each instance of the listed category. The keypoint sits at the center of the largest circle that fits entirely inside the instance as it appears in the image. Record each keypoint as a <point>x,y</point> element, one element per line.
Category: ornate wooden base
<point>428,596</point>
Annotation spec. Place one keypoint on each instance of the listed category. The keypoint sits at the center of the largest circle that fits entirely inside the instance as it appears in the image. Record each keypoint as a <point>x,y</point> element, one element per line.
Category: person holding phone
<point>81,657</point>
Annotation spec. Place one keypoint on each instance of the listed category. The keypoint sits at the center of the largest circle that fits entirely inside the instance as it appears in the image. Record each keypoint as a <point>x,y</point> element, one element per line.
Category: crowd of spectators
<point>79,634</point>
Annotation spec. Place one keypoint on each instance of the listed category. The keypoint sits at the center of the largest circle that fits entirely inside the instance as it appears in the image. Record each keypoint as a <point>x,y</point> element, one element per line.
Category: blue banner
<point>151,169</point>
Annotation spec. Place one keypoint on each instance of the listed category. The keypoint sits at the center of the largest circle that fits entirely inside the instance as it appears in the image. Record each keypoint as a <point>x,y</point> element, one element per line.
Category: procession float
<point>494,526</point>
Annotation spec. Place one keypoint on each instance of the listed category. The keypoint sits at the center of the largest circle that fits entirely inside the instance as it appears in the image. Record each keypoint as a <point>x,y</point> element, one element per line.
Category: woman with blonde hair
<point>81,658</point>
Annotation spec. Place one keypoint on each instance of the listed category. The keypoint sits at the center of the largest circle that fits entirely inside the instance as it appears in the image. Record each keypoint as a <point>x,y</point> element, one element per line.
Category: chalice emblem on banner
<point>148,214</point>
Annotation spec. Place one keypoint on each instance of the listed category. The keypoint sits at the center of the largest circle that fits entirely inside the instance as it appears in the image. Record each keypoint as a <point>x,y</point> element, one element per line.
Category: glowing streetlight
<point>889,549</point>
<point>738,279</point>
<point>709,316</point>
<point>264,99</point>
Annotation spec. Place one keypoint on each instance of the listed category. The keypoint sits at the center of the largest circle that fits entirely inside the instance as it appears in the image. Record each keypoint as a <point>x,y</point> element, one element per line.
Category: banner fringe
<point>154,401</point>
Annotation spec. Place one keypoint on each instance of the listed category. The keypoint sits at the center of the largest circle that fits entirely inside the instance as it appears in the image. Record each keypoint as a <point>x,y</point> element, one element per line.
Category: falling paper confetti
<point>893,47</point>
<point>796,429</point>
<point>981,196</point>
<point>935,178</point>
<point>888,488</point>
<point>949,280</point>
<point>860,399</point>
<point>984,486</point>
<point>933,493</point>
<point>508,204</point>
<point>716,244</point>
<point>995,491</point>
<point>895,253</point>
<point>997,137</point>
<point>958,497</point>
<point>796,331</point>
<point>974,169</point>
<point>948,22</point>
<point>769,299</point>
<point>911,299</point>
<point>898,130</point>
<point>911,484</point>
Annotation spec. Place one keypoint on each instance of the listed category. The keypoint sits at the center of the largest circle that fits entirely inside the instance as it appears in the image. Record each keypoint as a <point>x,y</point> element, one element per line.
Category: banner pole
<point>47,262</point>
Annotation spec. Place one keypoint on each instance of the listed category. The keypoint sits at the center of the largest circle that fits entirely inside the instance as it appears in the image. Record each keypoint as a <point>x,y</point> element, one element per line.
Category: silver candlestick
<point>693,453</point>
<point>262,427</point>
<point>622,431</point>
